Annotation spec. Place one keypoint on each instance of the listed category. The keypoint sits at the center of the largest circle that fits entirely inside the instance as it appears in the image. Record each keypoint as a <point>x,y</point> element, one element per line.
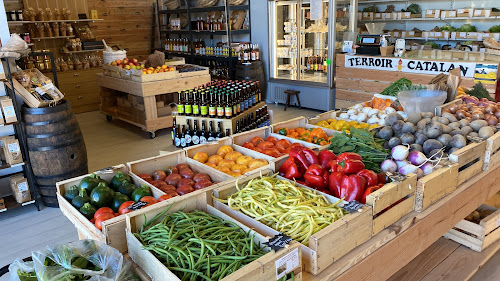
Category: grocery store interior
<point>249,140</point>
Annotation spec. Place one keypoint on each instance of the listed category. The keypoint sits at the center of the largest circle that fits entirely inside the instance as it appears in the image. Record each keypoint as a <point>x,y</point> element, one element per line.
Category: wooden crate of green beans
<point>191,240</point>
<point>270,204</point>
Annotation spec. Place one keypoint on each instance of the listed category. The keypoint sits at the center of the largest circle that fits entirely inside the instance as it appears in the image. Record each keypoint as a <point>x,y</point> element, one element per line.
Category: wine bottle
<point>195,138</point>
<point>204,105</point>
<point>228,133</point>
<point>189,140</point>
<point>180,105</point>
<point>174,124</point>
<point>238,126</point>
<point>211,133</point>
<point>188,109</point>
<point>212,108</point>
<point>183,136</point>
<point>228,109</point>
<point>178,137</point>
<point>204,134</point>
<point>196,105</point>
<point>220,107</point>
<point>220,134</point>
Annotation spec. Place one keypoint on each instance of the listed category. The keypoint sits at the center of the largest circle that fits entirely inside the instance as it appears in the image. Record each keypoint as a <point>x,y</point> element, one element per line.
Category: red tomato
<point>256,140</point>
<point>164,197</point>
<point>164,188</point>
<point>103,217</point>
<point>149,199</point>
<point>273,152</point>
<point>257,149</point>
<point>249,145</point>
<point>146,177</point>
<point>92,221</point>
<point>294,145</point>
<point>123,209</point>
<point>103,210</point>
<point>272,139</point>
<point>283,142</point>
<point>265,144</point>
<point>172,193</point>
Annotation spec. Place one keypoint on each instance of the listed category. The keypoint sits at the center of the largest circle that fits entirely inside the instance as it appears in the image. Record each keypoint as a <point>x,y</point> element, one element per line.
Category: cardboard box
<point>2,204</point>
<point>448,14</point>
<point>8,110</point>
<point>20,188</point>
<point>467,12</point>
<point>12,151</point>
<point>390,16</point>
<point>378,16</point>
<point>2,139</point>
<point>432,13</point>
<point>367,15</point>
<point>481,13</point>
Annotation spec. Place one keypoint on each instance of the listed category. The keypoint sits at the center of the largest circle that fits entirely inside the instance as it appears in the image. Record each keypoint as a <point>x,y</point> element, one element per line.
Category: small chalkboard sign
<point>344,109</point>
<point>396,176</point>
<point>475,139</point>
<point>137,205</point>
<point>279,241</point>
<point>353,206</point>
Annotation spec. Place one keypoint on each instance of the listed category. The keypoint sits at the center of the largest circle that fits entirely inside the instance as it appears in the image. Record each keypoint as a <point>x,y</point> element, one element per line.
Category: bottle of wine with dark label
<point>220,134</point>
<point>211,133</point>
<point>178,136</point>
<point>188,134</point>
<point>195,138</point>
<point>183,136</point>
<point>204,133</point>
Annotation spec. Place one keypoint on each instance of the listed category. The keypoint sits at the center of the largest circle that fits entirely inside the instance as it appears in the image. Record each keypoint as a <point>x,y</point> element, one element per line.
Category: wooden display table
<point>136,103</point>
<point>394,247</point>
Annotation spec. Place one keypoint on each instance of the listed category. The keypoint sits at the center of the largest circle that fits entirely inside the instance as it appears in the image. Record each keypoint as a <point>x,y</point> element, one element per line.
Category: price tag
<point>475,139</point>
<point>279,241</point>
<point>353,206</point>
<point>287,263</point>
<point>342,110</point>
<point>13,147</point>
<point>23,186</point>
<point>137,205</point>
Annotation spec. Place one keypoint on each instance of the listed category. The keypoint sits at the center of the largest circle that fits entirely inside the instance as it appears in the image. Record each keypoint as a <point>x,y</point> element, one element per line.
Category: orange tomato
<point>223,150</point>
<point>257,149</point>
<point>256,140</point>
<point>272,139</point>
<point>265,144</point>
<point>273,152</point>
<point>248,145</point>
<point>283,142</point>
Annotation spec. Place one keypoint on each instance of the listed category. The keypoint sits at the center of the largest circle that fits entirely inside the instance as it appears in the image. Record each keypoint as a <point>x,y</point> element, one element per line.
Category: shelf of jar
<point>50,21</point>
<point>83,51</point>
<point>49,38</point>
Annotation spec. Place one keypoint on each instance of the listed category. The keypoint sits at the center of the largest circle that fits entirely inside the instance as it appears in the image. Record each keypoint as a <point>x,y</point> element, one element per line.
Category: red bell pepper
<point>382,178</point>
<point>370,177</point>
<point>368,191</point>
<point>335,183</point>
<point>316,177</point>
<point>310,155</point>
<point>349,156</point>
<point>334,166</point>
<point>289,169</point>
<point>351,166</point>
<point>352,188</point>
<point>325,157</point>
<point>305,156</point>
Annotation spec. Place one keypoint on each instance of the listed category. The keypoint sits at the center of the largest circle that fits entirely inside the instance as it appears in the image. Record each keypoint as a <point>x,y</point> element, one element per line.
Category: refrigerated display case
<point>304,37</point>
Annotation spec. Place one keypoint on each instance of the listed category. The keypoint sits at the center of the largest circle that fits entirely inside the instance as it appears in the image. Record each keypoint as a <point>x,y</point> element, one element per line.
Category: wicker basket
<point>172,4</point>
<point>234,2</point>
<point>206,3</point>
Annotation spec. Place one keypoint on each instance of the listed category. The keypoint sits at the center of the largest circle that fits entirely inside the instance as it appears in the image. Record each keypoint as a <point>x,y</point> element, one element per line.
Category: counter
<point>358,77</point>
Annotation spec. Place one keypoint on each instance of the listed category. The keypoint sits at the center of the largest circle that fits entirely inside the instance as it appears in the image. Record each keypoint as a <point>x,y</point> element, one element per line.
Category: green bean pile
<point>296,211</point>
<point>199,246</point>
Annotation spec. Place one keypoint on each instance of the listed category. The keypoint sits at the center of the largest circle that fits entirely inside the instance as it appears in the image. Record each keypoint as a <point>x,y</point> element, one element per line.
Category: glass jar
<point>71,65</point>
<point>69,30</point>
<point>30,62</point>
<point>64,65</point>
<point>78,64</point>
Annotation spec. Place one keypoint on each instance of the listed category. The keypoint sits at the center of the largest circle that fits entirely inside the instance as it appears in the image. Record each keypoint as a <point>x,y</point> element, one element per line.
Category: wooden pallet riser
<point>388,196</point>
<point>470,160</point>
<point>477,236</point>
<point>325,246</point>
<point>435,186</point>
<point>492,155</point>
<point>263,268</point>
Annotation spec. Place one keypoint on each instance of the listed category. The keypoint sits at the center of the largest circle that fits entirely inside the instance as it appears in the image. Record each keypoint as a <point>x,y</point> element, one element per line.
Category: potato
<point>486,132</point>
<point>385,133</point>
<point>446,129</point>
<point>474,134</point>
<point>427,114</point>
<point>397,126</point>
<point>455,125</point>
<point>392,117</point>
<point>434,119</point>
<point>433,130</point>
<point>394,141</point>
<point>464,122</point>
<point>435,154</point>
<point>445,139</point>
<point>453,149</point>
<point>478,124</point>
<point>458,141</point>
<point>443,120</point>
<point>407,138</point>
<point>449,116</point>
<point>414,118</point>
<point>467,130</point>
<point>421,139</point>
<point>430,145</point>
<point>457,132</point>
<point>416,146</point>
<point>421,124</point>
<point>428,120</point>
<point>408,128</point>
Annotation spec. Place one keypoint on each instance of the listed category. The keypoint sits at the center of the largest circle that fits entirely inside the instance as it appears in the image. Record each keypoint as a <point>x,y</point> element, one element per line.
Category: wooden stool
<point>288,94</point>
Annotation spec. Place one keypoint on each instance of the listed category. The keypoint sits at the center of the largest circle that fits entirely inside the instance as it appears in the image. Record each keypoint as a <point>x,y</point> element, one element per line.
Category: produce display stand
<point>145,115</point>
<point>226,123</point>
<point>390,250</point>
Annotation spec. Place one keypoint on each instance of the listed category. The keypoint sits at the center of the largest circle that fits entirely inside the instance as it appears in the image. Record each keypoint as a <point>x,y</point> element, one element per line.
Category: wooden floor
<point>109,143</point>
<point>23,230</point>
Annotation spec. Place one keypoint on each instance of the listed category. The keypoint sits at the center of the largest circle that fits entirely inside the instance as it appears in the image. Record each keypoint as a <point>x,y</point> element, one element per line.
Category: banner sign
<point>420,66</point>
<point>486,73</point>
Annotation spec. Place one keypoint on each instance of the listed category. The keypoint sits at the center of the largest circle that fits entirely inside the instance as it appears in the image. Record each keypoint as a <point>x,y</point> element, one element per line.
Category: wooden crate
<point>326,246</point>
<point>205,71</point>
<point>211,149</point>
<point>477,236</point>
<point>435,186</point>
<point>492,155</point>
<point>263,268</point>
<point>399,196</point>
<point>264,132</point>
<point>113,230</point>
<point>300,122</point>
<point>470,160</point>
<point>139,77</point>
<point>149,165</point>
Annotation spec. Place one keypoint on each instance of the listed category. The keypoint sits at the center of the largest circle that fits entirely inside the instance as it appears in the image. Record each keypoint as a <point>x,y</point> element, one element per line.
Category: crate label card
<point>279,241</point>
<point>9,111</point>
<point>137,205</point>
<point>353,206</point>
<point>287,263</point>
<point>13,147</point>
<point>23,186</point>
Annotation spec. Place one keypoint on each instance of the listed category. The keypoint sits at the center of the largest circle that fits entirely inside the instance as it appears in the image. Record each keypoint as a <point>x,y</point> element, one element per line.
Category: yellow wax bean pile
<point>296,211</point>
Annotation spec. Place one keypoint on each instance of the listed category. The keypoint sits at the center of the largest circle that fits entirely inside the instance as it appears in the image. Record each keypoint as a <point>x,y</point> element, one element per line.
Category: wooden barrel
<point>56,147</point>
<point>253,71</point>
